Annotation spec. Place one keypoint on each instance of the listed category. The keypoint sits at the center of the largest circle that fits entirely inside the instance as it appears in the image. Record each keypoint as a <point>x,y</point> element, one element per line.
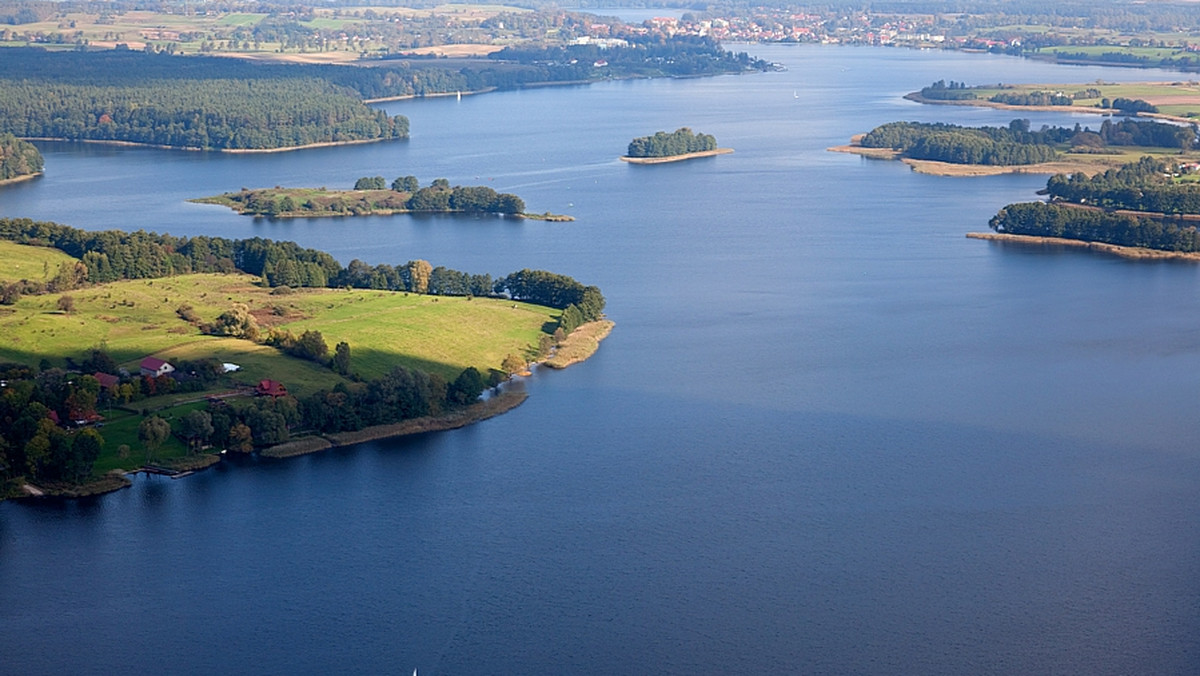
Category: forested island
<point>1017,145</point>
<point>373,195</point>
<point>1149,204</point>
<point>19,160</point>
<point>139,350</point>
<point>682,144</point>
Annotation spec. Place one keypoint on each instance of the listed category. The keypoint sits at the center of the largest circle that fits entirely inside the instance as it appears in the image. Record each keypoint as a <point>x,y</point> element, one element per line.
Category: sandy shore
<point>581,344</point>
<point>675,158</point>
<point>1130,252</point>
<point>19,179</point>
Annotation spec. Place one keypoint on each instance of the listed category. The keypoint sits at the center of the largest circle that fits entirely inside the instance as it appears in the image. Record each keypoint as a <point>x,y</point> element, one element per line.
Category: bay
<point>829,434</point>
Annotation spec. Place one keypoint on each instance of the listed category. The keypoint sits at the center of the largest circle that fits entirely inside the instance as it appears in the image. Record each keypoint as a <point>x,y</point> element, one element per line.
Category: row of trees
<point>1094,225</point>
<point>110,255</point>
<point>1040,98</point>
<point>18,158</point>
<point>679,142</point>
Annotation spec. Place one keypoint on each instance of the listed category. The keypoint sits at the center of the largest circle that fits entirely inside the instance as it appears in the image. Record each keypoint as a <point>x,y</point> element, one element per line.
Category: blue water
<point>830,434</point>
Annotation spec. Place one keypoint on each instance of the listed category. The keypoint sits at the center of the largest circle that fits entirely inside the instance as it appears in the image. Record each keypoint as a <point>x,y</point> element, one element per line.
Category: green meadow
<point>137,318</point>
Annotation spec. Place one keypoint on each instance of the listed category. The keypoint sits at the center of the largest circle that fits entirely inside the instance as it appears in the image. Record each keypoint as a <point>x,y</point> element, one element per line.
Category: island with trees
<point>682,144</point>
<point>373,195</point>
<point>147,352</point>
<point>19,160</point>
<point>1144,208</point>
<point>954,150</point>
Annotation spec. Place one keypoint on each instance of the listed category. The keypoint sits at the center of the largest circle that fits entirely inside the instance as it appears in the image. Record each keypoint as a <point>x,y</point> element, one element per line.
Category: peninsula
<point>682,144</point>
<point>145,352</point>
<point>373,196</point>
<point>953,150</point>
<point>19,160</point>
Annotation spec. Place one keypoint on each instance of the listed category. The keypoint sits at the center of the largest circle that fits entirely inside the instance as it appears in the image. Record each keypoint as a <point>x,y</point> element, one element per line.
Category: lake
<point>829,434</point>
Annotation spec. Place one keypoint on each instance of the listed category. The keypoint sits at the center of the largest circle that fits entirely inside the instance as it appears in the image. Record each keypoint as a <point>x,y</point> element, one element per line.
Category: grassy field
<point>134,319</point>
<point>1179,98</point>
<point>34,263</point>
<point>186,32</point>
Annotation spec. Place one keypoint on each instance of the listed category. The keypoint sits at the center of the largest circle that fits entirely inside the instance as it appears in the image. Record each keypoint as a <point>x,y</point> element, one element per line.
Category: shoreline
<point>435,95</point>
<point>21,179</point>
<point>477,412</point>
<point>193,149</point>
<point>1127,252</point>
<point>676,158</point>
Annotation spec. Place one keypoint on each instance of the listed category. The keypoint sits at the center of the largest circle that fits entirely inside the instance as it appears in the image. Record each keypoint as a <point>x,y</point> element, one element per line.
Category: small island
<point>682,144</point>
<point>372,196</point>
<point>19,160</point>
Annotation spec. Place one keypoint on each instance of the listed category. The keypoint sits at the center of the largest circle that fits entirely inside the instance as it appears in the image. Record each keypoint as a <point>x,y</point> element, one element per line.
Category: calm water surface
<point>829,434</point>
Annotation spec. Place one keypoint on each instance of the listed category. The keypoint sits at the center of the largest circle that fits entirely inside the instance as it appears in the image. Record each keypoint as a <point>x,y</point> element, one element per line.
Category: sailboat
<point>459,95</point>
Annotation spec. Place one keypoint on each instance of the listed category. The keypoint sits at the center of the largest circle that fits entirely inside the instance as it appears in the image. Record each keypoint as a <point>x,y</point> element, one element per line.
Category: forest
<point>18,158</point>
<point>178,102</point>
<point>942,142</point>
<point>679,142</point>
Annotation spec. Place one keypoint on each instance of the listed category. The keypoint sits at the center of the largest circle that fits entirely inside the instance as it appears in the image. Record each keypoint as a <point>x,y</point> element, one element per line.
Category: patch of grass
<point>35,263</point>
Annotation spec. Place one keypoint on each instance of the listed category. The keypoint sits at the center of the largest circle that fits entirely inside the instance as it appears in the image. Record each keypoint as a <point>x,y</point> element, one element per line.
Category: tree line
<point>1095,225</point>
<point>109,255</point>
<point>18,158</point>
<point>679,142</point>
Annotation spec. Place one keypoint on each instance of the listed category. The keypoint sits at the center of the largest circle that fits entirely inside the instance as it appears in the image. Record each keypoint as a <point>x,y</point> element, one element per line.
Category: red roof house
<point>270,388</point>
<point>107,380</point>
<point>154,367</point>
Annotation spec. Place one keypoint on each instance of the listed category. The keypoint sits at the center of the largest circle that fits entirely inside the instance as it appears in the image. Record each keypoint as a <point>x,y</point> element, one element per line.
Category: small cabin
<point>154,367</point>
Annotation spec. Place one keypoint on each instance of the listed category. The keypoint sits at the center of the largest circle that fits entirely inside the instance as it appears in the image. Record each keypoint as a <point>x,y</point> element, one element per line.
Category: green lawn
<point>34,263</point>
<point>135,319</point>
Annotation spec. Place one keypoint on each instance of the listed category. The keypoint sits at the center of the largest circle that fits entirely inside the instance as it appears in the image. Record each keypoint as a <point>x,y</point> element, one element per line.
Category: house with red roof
<point>270,388</point>
<point>154,367</point>
<point>107,380</point>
